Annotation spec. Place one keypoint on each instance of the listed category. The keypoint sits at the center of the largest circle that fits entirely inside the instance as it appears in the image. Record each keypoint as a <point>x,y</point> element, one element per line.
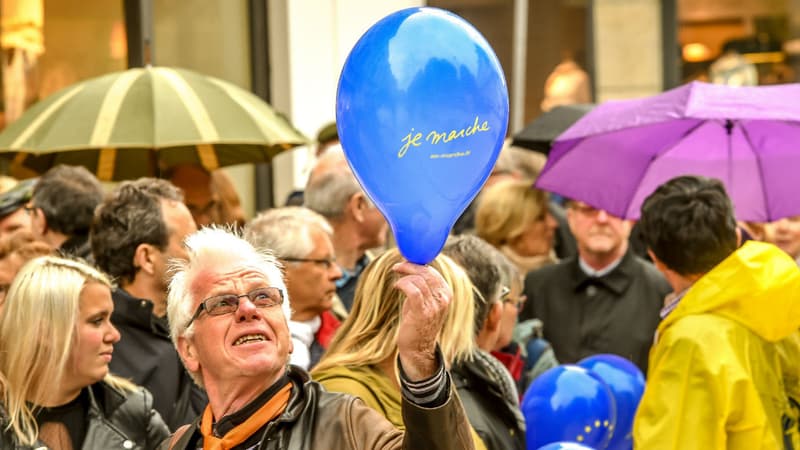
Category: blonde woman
<point>56,341</point>
<point>513,216</point>
<point>361,359</point>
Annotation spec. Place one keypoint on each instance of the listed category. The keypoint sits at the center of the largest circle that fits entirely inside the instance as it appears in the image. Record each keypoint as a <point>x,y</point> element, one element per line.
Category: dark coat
<point>491,402</point>
<point>145,354</point>
<point>582,315</point>
<point>117,420</point>
<point>317,419</point>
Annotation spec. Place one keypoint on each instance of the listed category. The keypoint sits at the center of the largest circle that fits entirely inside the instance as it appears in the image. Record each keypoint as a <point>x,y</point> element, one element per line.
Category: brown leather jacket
<point>319,420</point>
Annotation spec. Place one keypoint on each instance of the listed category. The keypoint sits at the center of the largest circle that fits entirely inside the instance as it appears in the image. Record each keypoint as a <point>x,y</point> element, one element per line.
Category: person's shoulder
<point>563,267</point>
<point>551,274</point>
<point>365,383</point>
<point>351,380</point>
<point>701,333</point>
<point>116,393</point>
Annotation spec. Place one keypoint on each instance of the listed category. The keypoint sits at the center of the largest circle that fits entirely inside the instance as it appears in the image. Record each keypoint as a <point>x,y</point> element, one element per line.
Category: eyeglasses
<point>517,302</point>
<point>219,305</point>
<point>327,263</point>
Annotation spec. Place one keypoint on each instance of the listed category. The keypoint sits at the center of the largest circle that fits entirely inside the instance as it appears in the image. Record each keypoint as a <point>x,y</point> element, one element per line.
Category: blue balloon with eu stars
<point>568,404</point>
<point>421,111</point>
<point>626,382</point>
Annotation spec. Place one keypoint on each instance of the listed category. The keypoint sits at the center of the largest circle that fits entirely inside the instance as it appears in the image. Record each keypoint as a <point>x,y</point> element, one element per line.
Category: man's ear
<point>39,222</point>
<point>187,353</point>
<point>358,206</point>
<point>144,258</point>
<point>656,262</point>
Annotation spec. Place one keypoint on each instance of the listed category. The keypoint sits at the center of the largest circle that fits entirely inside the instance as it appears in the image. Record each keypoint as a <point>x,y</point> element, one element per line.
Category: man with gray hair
<point>62,207</point>
<point>333,191</point>
<point>301,240</point>
<point>228,311</point>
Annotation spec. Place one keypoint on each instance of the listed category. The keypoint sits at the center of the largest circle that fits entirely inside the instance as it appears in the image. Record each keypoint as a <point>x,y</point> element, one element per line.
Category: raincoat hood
<point>757,286</point>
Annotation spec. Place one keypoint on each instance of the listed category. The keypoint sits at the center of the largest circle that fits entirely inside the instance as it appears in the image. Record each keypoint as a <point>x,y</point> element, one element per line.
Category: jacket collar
<point>104,400</point>
<point>297,401</point>
<point>137,312</point>
<point>618,280</point>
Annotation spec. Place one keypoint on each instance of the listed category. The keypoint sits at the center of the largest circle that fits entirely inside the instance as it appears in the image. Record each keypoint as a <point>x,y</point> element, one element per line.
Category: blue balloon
<point>565,446</point>
<point>422,111</point>
<point>568,403</point>
<point>627,385</point>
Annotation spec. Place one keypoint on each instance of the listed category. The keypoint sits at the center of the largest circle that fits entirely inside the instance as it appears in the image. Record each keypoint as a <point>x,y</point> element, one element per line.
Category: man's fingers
<point>411,286</point>
<point>432,278</point>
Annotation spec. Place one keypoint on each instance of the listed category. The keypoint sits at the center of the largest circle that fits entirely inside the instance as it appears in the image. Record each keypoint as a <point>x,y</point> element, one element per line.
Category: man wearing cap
<point>13,215</point>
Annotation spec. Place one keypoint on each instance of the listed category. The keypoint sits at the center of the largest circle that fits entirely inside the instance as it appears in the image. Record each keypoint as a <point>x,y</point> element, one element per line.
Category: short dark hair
<point>479,260</point>
<point>689,224</point>
<point>130,216</point>
<point>67,196</point>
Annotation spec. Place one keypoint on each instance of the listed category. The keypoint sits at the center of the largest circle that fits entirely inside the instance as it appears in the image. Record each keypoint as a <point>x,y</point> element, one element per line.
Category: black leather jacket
<point>117,420</point>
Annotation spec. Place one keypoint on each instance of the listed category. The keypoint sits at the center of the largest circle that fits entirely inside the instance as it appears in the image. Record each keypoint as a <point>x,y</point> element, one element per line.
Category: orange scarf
<point>271,409</point>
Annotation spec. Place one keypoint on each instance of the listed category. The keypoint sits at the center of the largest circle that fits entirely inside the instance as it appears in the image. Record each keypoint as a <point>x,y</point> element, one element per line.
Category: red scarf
<point>328,326</point>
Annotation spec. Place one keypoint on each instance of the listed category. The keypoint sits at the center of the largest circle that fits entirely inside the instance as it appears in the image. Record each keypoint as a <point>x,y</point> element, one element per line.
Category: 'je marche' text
<point>434,137</point>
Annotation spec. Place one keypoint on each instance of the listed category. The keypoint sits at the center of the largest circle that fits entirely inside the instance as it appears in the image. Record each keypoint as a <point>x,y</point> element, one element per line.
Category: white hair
<point>287,231</point>
<point>218,250</point>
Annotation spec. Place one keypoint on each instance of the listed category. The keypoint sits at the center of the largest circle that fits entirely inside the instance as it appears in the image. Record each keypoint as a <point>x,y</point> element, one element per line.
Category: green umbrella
<point>142,121</point>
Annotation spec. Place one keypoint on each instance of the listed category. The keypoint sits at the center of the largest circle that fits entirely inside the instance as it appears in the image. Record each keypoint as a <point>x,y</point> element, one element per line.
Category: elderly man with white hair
<point>228,312</point>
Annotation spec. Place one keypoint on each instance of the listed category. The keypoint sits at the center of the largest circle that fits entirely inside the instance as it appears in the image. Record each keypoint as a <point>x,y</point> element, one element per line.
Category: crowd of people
<point>154,315</point>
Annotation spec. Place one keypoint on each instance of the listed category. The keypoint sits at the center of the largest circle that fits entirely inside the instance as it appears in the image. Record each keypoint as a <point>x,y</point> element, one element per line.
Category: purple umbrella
<point>748,137</point>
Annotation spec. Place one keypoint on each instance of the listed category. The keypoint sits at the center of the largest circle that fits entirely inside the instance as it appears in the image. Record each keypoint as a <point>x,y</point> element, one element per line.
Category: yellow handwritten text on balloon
<point>413,139</point>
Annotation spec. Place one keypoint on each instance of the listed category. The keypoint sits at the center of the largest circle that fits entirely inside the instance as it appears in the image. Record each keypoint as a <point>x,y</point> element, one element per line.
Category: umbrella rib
<point>110,107</point>
<point>19,143</point>
<point>752,148</point>
<point>658,155</point>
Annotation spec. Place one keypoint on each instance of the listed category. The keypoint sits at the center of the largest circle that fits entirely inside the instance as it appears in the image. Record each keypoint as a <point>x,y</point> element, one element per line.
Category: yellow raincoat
<point>721,364</point>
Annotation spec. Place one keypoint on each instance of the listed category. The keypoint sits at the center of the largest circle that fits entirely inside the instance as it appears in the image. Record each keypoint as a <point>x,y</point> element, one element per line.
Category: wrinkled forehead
<point>212,280</point>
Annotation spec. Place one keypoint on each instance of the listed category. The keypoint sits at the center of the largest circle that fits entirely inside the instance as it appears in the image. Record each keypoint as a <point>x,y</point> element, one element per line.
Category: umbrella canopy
<point>748,137</point>
<point>141,121</point>
<point>539,134</point>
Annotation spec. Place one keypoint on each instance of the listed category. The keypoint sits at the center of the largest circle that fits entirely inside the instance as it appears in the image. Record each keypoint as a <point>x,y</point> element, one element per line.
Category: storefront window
<point>210,37</point>
<point>556,34</point>
<point>49,45</point>
<point>744,42</point>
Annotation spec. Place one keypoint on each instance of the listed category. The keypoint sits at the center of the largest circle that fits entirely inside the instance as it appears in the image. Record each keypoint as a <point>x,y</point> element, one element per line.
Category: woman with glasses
<point>56,341</point>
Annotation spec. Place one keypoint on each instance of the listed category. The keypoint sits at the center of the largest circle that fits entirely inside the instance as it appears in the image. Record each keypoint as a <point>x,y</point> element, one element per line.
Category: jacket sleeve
<point>156,429</point>
<point>441,428</point>
<point>681,407</point>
